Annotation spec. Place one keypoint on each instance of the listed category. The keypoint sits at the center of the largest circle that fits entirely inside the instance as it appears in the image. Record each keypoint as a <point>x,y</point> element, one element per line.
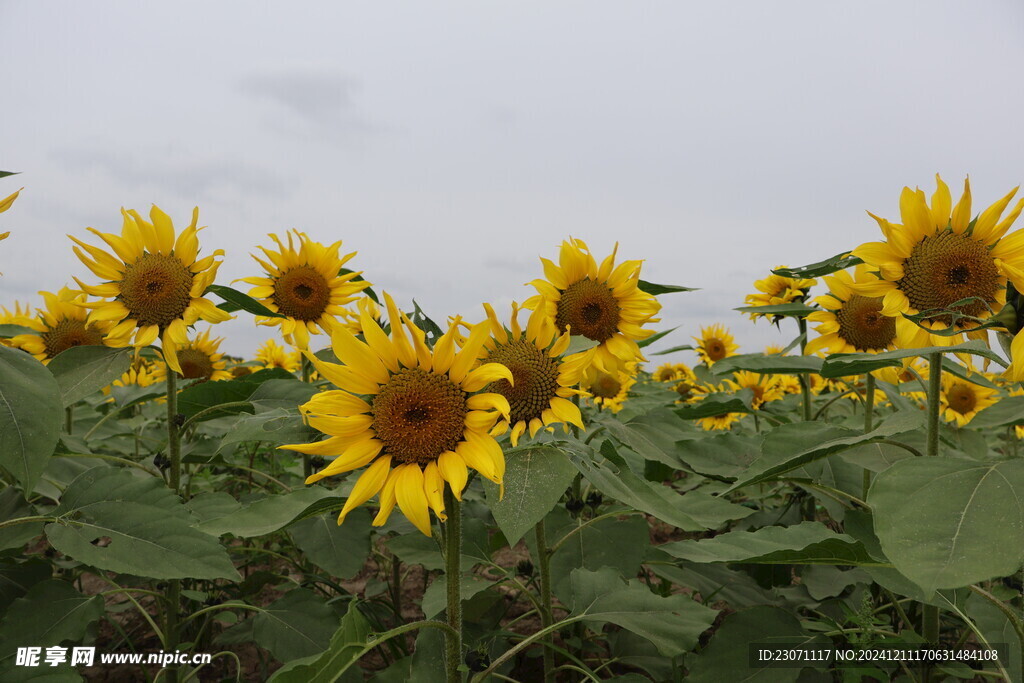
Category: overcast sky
<point>452,143</point>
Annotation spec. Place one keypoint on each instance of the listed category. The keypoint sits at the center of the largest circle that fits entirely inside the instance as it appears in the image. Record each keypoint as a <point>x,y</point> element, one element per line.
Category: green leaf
<point>196,398</point>
<point>652,435</point>
<point>578,343</point>
<point>146,529</point>
<point>996,628</point>
<point>655,290</point>
<point>7,331</point>
<point>16,578</point>
<point>847,364</point>
<point>51,613</point>
<point>726,656</point>
<point>694,511</point>
<point>826,267</point>
<point>267,515</point>
<point>282,393</point>
<point>299,624</point>
<point>1009,410</point>
<point>435,599</point>
<point>345,646</point>
<point>237,301</point>
<point>535,478</point>
<point>760,363</point>
<point>655,337</point>
<point>615,543</point>
<point>672,623</point>
<point>717,404</point>
<point>947,523</point>
<point>340,550</point>
<point>31,415</point>
<point>13,506</point>
<point>4,174</point>
<point>719,455</point>
<point>797,310</point>
<point>211,505</point>
<point>790,446</point>
<point>133,393</point>
<point>276,427</point>
<point>83,370</point>
<point>804,543</point>
<point>674,349</point>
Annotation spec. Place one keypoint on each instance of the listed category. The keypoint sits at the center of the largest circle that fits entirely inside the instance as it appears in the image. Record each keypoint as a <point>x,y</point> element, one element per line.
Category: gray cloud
<point>324,99</point>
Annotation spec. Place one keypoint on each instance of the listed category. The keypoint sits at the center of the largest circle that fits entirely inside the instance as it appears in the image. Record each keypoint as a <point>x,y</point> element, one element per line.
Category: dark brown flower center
<point>302,293</point>
<point>590,309</point>
<point>715,349</point>
<point>156,289</point>
<point>195,364</point>
<point>961,398</point>
<point>945,268</point>
<point>419,415</point>
<point>606,386</point>
<point>535,378</point>
<point>69,332</point>
<point>862,324</point>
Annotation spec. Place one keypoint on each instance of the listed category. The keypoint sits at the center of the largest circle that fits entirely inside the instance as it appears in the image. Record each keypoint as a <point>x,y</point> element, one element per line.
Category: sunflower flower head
<point>714,344</point>
<point>851,322</point>
<point>960,400</point>
<point>60,325</point>
<point>413,416</point>
<point>199,358</point>
<point>765,387</point>
<point>543,378</point>
<point>141,373</point>
<point>938,257</point>
<point>609,390</point>
<point>154,282</point>
<point>671,372</point>
<point>775,290</point>
<point>304,282</point>
<point>272,355</point>
<point>603,303</point>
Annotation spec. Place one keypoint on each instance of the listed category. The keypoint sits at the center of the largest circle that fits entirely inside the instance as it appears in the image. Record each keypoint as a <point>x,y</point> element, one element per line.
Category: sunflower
<point>270,355</point>
<point>350,318</point>
<point>539,395</point>
<point>602,303</point>
<point>851,322</point>
<point>714,344</point>
<point>154,281</point>
<point>939,256</point>
<point>775,350</point>
<point>5,204</point>
<point>198,359</point>
<point>690,390</point>
<point>719,422</point>
<point>775,290</point>
<point>670,372</point>
<point>765,387</point>
<point>961,400</point>
<point>401,403</point>
<point>61,325</point>
<point>609,390</point>
<point>303,282</point>
<point>141,373</point>
<point>20,316</point>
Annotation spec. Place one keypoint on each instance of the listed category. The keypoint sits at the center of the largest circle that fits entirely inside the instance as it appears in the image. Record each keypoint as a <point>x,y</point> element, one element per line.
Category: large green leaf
<point>275,427</point>
<point>791,446</point>
<point>7,331</point>
<point>346,645</point>
<point>535,478</point>
<point>202,395</point>
<point>672,623</point>
<point>717,404</point>
<point>340,550</point>
<point>719,455</point>
<point>31,412</point>
<point>237,301</point>
<point>760,363</point>
<point>656,290</point>
<point>653,435</point>
<point>13,506</point>
<point>274,512</point>
<point>1009,410</point>
<point>436,596</point>
<point>83,370</point>
<point>299,624</point>
<point>847,364</point>
<point>51,613</point>
<point>16,578</point>
<point>726,657</point>
<point>141,526</point>
<point>804,543</point>
<point>826,267</point>
<point>947,523</point>
<point>796,309</point>
<point>694,511</point>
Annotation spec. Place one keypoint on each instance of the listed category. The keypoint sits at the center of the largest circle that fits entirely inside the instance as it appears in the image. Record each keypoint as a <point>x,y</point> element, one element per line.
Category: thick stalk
<point>69,418</point>
<point>546,616</point>
<point>805,379</point>
<point>453,581</point>
<point>869,414</point>
<point>930,613</point>
<point>174,455</point>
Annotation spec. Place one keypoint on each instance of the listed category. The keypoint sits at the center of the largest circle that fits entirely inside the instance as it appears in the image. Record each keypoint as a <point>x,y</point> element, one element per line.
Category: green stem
<point>27,520</point>
<point>174,455</point>
<point>930,613</point>
<point>1015,621</point>
<point>869,414</point>
<point>453,582</point>
<point>546,616</point>
<point>805,380</point>
<point>69,418</point>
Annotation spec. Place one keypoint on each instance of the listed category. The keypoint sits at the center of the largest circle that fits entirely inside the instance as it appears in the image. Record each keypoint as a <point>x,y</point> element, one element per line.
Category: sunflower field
<point>516,495</point>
